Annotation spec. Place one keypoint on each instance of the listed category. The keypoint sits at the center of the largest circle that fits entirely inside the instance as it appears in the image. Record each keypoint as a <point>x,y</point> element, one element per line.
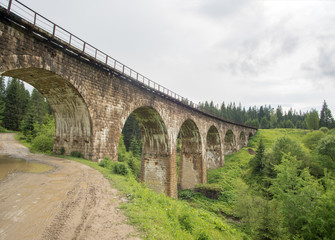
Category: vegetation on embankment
<point>161,217</point>
<point>286,190</point>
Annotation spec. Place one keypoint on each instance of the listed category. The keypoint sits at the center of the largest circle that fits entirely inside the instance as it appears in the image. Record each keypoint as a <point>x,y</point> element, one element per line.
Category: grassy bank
<point>160,217</point>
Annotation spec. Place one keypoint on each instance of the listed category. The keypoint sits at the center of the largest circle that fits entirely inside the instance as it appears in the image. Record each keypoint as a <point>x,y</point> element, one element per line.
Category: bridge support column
<point>191,162</point>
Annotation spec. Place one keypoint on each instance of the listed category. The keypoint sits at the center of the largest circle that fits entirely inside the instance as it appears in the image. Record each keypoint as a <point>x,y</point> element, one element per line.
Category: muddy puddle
<point>10,165</point>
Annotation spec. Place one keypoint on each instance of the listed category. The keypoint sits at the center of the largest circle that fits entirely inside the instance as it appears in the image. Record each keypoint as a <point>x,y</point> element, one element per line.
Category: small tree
<point>283,145</point>
<point>28,124</point>
<point>257,162</point>
<point>312,139</point>
<point>265,124</point>
<point>326,147</point>
<point>297,192</point>
<point>312,120</point>
<point>135,148</point>
<point>326,118</point>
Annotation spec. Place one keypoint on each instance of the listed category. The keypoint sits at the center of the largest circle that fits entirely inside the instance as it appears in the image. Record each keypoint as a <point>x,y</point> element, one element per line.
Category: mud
<point>71,201</point>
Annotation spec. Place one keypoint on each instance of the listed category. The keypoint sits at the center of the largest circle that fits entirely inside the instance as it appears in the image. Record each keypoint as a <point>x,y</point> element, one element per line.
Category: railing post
<point>54,30</point>
<point>35,19</point>
<point>9,6</point>
<point>84,47</point>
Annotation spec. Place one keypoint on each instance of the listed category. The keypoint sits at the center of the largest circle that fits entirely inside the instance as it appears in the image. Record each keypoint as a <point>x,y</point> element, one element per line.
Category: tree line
<point>267,117</point>
<point>23,111</point>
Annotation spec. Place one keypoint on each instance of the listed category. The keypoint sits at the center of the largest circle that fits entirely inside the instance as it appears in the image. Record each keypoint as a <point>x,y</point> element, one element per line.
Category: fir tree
<point>326,118</point>
<point>16,103</point>
<point>39,105</point>
<point>131,129</point>
<point>257,162</point>
<point>12,111</point>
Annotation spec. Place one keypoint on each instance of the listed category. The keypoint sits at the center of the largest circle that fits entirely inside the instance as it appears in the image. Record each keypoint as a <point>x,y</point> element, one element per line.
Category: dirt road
<point>72,201</point>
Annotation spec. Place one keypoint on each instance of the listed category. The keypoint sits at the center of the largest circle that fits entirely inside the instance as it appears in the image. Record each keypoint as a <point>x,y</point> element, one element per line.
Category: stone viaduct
<point>91,100</point>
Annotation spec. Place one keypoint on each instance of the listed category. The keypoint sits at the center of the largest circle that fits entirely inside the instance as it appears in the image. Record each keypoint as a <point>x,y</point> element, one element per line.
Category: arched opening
<point>243,140</point>
<point>130,146</point>
<point>250,136</point>
<point>72,120</point>
<point>155,149</point>
<point>229,142</point>
<point>190,166</point>
<point>213,151</point>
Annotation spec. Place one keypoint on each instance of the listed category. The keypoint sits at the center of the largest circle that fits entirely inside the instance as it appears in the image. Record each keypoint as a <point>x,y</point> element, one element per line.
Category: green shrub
<point>324,129</point>
<point>310,140</point>
<point>77,154</point>
<point>331,132</point>
<point>106,162</point>
<point>120,168</point>
<point>326,147</point>
<point>186,194</point>
<point>185,222</point>
<point>122,156</point>
<point>62,150</point>
<point>203,236</point>
<point>3,130</point>
<point>135,166</point>
<point>43,143</point>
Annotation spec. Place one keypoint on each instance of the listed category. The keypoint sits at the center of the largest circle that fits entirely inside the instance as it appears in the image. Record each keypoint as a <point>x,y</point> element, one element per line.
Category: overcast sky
<point>255,52</point>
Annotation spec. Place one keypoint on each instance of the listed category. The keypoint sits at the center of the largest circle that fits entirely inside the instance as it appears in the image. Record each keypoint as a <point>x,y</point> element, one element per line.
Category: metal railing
<point>39,22</point>
<point>57,32</point>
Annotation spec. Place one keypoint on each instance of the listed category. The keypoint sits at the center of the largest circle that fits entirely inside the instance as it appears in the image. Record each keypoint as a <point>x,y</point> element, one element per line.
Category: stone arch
<point>72,119</point>
<point>213,151</point>
<point>229,142</point>
<point>155,149</point>
<point>243,139</point>
<point>190,168</point>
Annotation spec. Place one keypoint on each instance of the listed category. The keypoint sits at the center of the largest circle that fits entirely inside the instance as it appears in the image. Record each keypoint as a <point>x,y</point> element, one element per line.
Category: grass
<point>19,137</point>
